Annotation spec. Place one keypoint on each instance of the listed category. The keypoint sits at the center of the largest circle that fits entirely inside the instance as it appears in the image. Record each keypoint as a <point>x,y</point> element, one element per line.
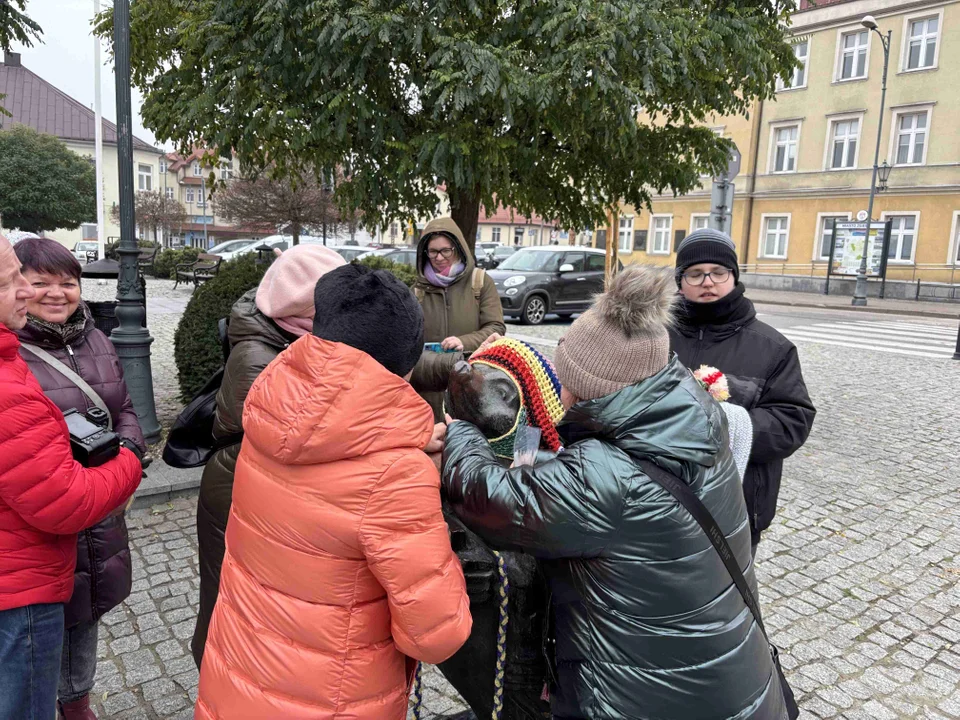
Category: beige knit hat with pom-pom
<point>622,339</point>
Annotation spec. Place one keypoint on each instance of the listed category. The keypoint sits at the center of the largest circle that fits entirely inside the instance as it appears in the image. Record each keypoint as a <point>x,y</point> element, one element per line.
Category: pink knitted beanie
<point>286,291</point>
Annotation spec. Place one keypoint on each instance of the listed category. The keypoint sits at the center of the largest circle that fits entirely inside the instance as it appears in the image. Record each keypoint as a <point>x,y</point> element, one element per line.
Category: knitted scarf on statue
<point>539,390</point>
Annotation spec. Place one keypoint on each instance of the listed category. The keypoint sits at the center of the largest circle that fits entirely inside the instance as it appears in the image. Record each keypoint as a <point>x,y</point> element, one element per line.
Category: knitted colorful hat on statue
<point>539,390</point>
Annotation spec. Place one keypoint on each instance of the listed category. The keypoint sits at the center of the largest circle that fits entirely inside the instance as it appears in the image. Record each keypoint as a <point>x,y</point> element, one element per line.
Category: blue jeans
<point>30,641</point>
<point>78,666</point>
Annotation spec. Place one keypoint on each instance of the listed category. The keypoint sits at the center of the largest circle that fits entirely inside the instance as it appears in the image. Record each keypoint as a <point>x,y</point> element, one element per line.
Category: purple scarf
<point>443,281</point>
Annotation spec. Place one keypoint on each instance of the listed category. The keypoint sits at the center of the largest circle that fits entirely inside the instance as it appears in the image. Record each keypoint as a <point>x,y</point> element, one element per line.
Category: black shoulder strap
<point>686,497</point>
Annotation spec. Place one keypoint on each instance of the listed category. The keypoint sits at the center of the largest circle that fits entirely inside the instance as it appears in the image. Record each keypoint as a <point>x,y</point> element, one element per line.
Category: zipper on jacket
<point>76,369</point>
<point>94,575</point>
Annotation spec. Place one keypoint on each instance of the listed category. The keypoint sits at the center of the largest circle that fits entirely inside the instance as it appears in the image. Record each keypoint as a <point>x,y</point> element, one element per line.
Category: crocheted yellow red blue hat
<point>539,389</point>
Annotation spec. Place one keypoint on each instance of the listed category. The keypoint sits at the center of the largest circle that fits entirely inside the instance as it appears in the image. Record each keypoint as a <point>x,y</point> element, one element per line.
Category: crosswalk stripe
<point>815,334</point>
<point>926,329</point>
<point>792,334</point>
<point>545,342</point>
<point>883,333</point>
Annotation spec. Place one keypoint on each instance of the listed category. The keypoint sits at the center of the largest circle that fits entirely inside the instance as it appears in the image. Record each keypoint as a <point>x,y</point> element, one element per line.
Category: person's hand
<point>452,343</point>
<point>437,459</point>
<point>488,342</point>
<point>277,252</point>
<point>450,420</point>
<point>436,441</point>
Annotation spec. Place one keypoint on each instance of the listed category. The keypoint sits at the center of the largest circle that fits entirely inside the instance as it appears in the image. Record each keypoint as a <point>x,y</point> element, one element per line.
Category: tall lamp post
<point>130,337</point>
<point>860,292</point>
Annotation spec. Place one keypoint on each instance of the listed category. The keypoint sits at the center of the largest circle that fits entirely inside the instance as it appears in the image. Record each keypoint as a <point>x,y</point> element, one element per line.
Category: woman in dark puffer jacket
<point>263,322</point>
<point>60,324</point>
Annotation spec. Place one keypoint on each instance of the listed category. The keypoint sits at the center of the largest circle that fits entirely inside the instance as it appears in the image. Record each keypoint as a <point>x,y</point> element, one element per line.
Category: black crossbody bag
<point>686,497</point>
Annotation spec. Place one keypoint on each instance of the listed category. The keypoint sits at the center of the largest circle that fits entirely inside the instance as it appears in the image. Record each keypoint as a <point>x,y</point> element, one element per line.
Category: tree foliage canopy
<point>43,184</point>
<point>15,26</point>
<point>531,104</point>
<point>154,211</point>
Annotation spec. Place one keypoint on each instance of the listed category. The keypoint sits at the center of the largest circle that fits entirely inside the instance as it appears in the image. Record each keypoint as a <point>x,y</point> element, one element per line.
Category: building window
<point>921,49</point>
<point>699,222</point>
<point>776,229</point>
<point>518,236</point>
<point>843,154</point>
<point>911,138</point>
<point>825,234</point>
<point>903,237</point>
<point>168,192</point>
<point>197,170</point>
<point>626,233</point>
<point>226,170</point>
<point>163,166</point>
<point>200,197</point>
<point>495,234</point>
<point>189,195</point>
<point>798,79</point>
<point>785,148</point>
<point>144,178</point>
<point>853,55</point>
<point>661,227</point>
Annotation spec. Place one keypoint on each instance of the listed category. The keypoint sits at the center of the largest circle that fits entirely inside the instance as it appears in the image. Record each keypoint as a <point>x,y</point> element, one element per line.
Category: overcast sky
<point>64,57</point>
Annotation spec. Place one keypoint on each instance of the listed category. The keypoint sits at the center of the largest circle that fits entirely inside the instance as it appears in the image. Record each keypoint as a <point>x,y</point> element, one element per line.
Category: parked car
<point>394,253</point>
<point>535,281</point>
<point>273,241</point>
<point>349,253</point>
<point>81,249</point>
<point>497,255</point>
<point>229,247</point>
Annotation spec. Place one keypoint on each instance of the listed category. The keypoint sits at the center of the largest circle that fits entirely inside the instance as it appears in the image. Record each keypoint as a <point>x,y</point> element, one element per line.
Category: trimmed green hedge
<point>197,349</point>
<point>167,260</point>
<point>196,345</point>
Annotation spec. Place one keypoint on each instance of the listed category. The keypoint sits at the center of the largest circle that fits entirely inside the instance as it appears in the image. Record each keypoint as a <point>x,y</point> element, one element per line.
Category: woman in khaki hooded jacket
<point>461,307</point>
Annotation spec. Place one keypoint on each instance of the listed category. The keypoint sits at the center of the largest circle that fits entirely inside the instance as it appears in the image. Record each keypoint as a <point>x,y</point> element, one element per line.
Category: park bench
<point>146,259</point>
<point>202,269</point>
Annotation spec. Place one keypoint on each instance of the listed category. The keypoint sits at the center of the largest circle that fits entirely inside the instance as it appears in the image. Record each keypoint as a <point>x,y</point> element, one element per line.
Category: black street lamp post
<point>130,337</point>
<point>860,292</point>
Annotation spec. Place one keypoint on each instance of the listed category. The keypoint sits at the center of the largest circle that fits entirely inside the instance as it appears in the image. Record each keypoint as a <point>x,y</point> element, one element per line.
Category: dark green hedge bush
<point>167,260</point>
<point>110,249</point>
<point>404,273</point>
<point>196,346</point>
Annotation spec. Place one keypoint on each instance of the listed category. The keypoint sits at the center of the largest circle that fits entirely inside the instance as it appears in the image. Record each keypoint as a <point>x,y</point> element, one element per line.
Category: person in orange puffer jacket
<point>338,574</point>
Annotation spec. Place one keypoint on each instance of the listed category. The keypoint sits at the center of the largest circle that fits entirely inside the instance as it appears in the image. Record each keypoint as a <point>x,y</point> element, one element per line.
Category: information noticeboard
<point>849,242</point>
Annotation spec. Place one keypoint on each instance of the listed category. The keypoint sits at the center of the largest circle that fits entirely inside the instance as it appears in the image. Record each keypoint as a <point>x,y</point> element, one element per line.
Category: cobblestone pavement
<point>858,574</point>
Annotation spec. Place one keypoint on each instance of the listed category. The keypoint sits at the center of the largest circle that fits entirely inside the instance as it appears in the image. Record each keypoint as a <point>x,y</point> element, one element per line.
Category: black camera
<point>90,440</point>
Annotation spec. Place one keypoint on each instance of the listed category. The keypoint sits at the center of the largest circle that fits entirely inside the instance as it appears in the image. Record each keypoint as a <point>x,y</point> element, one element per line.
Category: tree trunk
<point>465,211</point>
<point>295,232</point>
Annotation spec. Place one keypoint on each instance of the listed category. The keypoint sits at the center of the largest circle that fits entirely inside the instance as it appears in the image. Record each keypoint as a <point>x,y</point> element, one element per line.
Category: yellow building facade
<point>807,155</point>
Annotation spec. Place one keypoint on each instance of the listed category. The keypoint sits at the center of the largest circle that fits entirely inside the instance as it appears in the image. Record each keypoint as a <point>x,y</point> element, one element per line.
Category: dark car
<point>494,257</point>
<point>535,281</point>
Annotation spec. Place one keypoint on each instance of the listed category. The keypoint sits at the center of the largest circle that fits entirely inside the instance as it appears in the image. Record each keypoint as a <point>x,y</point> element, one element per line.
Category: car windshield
<point>229,246</point>
<point>503,252</point>
<point>533,261</point>
<point>87,246</point>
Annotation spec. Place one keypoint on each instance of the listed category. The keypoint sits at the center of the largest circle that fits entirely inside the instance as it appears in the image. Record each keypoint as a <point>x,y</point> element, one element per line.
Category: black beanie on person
<point>707,246</point>
<point>372,311</point>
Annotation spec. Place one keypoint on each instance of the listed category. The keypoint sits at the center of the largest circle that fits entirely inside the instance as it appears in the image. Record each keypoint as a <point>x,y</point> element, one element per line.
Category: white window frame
<point>141,175</point>
<point>629,236</point>
<point>652,234</point>
<point>761,247</point>
<point>905,40</point>
<point>828,145</point>
<point>197,169</point>
<point>163,166</point>
<point>772,149</point>
<point>838,60</point>
<point>953,253</point>
<point>817,257</point>
<point>895,135</point>
<point>697,216</point>
<point>783,87</point>
<point>495,234</point>
<point>887,214</point>
<point>190,195</point>
<point>518,234</point>
<point>168,193</point>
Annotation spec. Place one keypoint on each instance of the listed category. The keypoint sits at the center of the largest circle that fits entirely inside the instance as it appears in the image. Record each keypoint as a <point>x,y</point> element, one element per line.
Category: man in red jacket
<point>46,497</point>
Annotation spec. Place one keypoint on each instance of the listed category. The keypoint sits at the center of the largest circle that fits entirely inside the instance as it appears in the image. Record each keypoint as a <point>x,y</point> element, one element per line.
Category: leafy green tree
<point>531,104</point>
<point>15,26</point>
<point>43,184</point>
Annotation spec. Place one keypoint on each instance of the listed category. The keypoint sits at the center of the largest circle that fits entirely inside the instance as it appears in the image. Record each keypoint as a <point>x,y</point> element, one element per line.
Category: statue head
<point>506,385</point>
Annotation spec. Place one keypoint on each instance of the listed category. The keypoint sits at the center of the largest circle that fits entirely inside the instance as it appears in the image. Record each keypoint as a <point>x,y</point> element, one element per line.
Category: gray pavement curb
<point>869,309</point>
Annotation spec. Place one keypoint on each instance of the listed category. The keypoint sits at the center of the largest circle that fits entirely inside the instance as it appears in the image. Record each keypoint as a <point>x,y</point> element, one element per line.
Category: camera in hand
<point>90,440</point>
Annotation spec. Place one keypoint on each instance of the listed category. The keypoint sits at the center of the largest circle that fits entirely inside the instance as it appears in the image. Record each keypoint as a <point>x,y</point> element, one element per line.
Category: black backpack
<point>190,442</point>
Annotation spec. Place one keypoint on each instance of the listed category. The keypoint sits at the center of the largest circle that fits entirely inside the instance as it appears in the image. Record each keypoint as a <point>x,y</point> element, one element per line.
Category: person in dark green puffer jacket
<point>648,623</point>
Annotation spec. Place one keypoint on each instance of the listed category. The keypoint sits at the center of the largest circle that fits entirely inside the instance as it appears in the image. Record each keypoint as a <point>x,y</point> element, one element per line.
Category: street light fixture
<point>860,293</point>
<point>883,174</point>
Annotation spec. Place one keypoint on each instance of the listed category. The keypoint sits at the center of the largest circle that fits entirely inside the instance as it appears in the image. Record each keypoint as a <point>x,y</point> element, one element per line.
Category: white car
<point>230,246</point>
<point>81,249</point>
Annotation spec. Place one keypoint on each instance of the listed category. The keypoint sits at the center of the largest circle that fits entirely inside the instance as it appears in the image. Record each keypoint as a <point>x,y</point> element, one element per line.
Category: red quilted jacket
<point>45,496</point>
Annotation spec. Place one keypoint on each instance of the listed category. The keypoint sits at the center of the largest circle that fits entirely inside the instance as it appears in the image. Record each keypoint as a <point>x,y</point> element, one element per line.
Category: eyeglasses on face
<point>446,253</point>
<point>696,277</point>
